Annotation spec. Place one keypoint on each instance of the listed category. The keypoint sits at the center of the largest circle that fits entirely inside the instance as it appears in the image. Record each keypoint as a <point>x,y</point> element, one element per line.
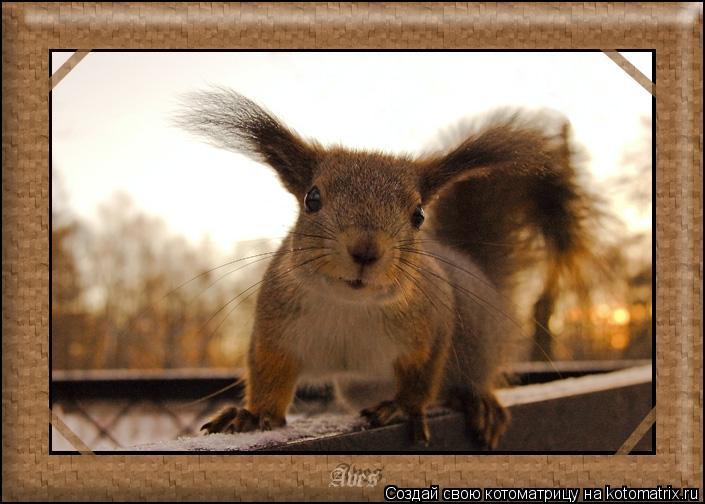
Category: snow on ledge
<point>298,428</point>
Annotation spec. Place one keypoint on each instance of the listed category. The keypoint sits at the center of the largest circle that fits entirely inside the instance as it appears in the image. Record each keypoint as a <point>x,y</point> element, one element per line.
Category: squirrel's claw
<point>221,421</point>
<point>245,421</point>
<point>384,413</point>
<point>487,420</point>
<point>419,429</point>
<point>388,412</point>
<point>233,419</point>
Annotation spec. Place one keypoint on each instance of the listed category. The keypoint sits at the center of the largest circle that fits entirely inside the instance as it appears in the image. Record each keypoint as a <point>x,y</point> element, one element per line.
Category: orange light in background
<point>619,340</point>
<point>600,313</point>
<point>556,324</point>
<point>574,314</point>
<point>639,312</point>
<point>602,310</point>
<point>620,316</point>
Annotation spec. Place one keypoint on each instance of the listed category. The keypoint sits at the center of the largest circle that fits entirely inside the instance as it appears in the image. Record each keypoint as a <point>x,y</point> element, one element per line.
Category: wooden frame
<point>674,31</point>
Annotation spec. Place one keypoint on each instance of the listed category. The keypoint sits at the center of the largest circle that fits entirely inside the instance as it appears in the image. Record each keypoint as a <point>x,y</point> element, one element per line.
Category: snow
<point>299,428</point>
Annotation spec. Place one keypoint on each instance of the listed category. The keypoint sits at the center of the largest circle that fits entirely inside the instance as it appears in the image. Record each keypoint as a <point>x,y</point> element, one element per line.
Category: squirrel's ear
<point>502,142</point>
<point>228,120</point>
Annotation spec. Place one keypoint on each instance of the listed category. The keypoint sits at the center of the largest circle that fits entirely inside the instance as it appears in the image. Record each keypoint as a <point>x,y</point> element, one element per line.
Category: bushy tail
<point>530,211</point>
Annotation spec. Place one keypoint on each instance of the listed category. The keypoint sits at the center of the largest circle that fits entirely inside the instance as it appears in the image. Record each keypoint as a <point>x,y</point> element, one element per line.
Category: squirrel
<point>397,267</point>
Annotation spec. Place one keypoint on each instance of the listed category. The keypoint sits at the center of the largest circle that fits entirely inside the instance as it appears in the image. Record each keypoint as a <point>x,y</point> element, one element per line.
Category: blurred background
<point>147,222</point>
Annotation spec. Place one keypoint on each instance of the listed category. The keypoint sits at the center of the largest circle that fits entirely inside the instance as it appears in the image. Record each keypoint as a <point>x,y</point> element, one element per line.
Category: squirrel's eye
<point>312,200</point>
<point>418,217</point>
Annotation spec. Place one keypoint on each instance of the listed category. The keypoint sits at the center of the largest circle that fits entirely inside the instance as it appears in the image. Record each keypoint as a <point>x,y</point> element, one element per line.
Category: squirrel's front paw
<point>233,419</point>
<point>388,412</point>
<point>221,421</point>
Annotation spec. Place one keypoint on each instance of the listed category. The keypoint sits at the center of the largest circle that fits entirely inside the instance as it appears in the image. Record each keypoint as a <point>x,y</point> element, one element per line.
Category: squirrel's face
<point>359,211</point>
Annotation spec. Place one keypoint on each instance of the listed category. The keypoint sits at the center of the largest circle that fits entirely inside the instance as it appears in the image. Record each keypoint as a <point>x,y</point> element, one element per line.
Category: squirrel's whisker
<point>453,312</point>
<point>258,285</point>
<point>468,292</point>
<point>215,268</point>
<point>284,252</point>
<point>414,241</point>
<point>483,303</point>
<point>211,333</point>
<point>281,275</point>
<point>479,279</point>
<point>171,292</point>
<point>326,230</point>
<point>308,235</point>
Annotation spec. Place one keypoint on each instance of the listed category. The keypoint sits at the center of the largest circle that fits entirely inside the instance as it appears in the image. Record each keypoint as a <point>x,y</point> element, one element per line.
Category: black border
<point>51,225</point>
<point>348,453</point>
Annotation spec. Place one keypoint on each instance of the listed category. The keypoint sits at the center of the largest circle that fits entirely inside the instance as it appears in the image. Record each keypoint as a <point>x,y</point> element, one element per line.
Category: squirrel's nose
<point>364,253</point>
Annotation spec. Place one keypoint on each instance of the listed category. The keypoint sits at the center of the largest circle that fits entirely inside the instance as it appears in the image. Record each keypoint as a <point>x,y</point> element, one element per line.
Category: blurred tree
<point>635,179</point>
<point>68,316</point>
<point>69,320</point>
<point>114,305</point>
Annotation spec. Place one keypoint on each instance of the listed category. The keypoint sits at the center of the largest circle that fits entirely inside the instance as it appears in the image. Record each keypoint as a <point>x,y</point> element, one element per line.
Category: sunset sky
<point>112,131</point>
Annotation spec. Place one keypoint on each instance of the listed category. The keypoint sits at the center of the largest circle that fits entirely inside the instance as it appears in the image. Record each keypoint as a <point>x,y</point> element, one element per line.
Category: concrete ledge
<point>589,414</point>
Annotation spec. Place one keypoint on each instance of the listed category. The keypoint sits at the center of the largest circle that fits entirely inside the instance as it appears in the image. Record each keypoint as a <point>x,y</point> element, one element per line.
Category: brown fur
<point>427,309</point>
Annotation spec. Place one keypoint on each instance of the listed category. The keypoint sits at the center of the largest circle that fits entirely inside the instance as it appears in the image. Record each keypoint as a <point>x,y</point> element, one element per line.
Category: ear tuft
<point>228,120</point>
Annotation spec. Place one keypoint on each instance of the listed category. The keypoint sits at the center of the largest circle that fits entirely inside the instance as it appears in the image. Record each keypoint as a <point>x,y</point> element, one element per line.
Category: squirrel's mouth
<point>355,284</point>
<point>359,289</point>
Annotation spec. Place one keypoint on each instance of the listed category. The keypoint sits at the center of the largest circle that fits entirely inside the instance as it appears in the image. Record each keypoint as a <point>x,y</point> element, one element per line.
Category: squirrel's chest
<point>343,339</point>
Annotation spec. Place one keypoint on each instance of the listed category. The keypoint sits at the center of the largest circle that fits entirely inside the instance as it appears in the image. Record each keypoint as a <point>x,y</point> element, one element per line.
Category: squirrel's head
<point>360,212</point>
